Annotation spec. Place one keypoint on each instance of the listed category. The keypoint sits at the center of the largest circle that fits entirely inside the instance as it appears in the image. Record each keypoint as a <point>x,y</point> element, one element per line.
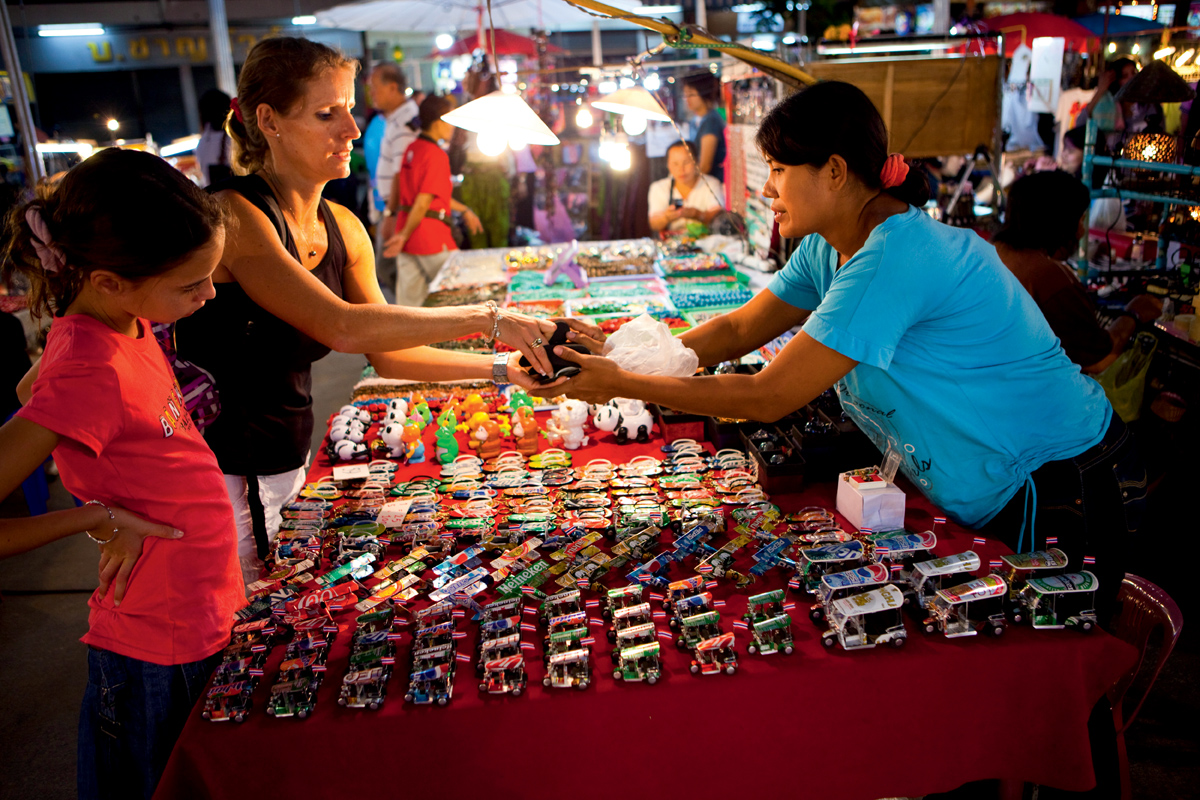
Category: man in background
<point>389,96</point>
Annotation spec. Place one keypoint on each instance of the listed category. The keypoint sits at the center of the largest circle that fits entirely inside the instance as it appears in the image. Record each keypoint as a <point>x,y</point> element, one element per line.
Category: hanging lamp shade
<point>635,101</point>
<point>1156,83</point>
<point>502,113</point>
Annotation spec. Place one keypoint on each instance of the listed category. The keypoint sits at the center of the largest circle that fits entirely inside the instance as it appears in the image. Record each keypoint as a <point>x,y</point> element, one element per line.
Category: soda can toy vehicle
<point>678,590</point>
<point>292,698</point>
<point>814,563</point>
<point>617,599</point>
<point>364,688</point>
<point>629,617</point>
<point>697,628</point>
<point>230,701</point>
<point>504,676</point>
<point>866,620</point>
<point>772,635</point>
<point>966,609</point>
<point>1018,568</point>
<point>715,655</point>
<point>432,685</point>
<point>569,669</point>
<point>927,577</point>
<point>556,605</point>
<point>639,663</point>
<point>904,550</point>
<point>687,606</point>
<point>1061,601</point>
<point>837,585</point>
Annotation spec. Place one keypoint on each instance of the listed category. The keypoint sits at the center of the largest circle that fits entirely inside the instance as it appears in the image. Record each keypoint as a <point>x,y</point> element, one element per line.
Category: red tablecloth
<point>818,723</point>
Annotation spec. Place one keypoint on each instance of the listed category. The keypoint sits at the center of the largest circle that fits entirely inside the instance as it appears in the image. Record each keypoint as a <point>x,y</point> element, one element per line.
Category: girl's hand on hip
<point>118,556</point>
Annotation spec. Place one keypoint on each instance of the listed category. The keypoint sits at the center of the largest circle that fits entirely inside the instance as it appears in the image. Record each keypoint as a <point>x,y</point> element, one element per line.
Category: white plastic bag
<point>646,346</point>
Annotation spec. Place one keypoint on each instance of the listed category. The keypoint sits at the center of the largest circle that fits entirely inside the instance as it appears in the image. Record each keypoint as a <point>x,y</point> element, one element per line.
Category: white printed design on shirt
<point>876,424</point>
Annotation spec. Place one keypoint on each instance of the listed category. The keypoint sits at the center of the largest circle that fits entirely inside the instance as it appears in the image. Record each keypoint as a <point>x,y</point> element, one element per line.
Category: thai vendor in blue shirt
<point>936,351</point>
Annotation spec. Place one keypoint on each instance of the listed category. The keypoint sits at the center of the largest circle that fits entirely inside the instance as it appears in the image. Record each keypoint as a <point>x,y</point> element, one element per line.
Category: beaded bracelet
<point>111,516</point>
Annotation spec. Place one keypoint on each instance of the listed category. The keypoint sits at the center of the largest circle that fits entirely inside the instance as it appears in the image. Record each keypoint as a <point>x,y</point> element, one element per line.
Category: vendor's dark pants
<point>1093,503</point>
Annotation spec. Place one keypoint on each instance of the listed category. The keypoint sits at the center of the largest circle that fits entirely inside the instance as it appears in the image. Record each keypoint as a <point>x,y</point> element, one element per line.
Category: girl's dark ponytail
<point>915,188</point>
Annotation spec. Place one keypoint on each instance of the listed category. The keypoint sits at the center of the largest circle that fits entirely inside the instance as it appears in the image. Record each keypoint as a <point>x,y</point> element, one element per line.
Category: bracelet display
<point>111,516</point>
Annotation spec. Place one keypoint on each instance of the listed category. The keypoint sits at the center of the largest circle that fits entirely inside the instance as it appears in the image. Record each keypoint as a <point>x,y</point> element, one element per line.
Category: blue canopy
<point>1117,24</point>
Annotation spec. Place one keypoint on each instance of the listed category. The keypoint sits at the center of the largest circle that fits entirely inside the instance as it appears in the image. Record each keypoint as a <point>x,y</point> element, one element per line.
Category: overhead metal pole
<point>597,50</point>
<point>34,169</point>
<point>218,23</point>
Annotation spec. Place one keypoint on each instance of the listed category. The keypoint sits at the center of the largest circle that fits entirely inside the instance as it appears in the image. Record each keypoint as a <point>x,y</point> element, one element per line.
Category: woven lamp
<point>1156,83</point>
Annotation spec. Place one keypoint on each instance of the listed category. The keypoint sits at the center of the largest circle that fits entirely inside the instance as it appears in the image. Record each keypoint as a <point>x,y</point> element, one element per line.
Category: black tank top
<point>261,365</point>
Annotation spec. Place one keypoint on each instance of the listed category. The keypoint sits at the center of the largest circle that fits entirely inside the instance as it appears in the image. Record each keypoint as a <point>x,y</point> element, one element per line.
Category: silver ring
<point>536,342</point>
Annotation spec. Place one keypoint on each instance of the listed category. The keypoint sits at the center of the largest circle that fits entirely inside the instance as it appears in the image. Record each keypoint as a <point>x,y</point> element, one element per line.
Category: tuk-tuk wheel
<point>816,615</point>
<point>694,668</point>
<point>616,656</point>
<point>483,687</point>
<point>581,685</point>
<point>516,692</point>
<point>751,649</point>
<point>828,641</point>
<point>239,718</point>
<point>373,705</point>
<point>930,627</point>
<point>653,679</point>
<point>545,681</point>
<point>898,642</point>
<point>1018,618</point>
<point>1086,626</point>
<point>788,650</point>
<point>997,630</point>
<point>341,701</point>
<point>616,674</point>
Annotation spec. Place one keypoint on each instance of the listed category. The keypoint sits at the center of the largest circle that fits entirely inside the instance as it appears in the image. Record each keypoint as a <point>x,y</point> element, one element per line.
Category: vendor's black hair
<point>1077,136</point>
<point>835,118</point>
<point>705,84</point>
<point>214,109</point>
<point>690,146</point>
<point>1043,212</point>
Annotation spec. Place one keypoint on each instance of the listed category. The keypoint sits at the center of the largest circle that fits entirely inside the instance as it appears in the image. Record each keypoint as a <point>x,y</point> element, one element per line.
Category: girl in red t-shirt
<point>122,241</point>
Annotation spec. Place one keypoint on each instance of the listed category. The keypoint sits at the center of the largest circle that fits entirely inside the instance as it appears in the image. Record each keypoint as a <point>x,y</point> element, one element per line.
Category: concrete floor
<point>43,612</point>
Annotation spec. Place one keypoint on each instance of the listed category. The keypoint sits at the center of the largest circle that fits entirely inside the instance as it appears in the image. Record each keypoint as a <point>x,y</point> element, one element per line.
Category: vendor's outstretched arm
<point>801,371</point>
<point>743,330</point>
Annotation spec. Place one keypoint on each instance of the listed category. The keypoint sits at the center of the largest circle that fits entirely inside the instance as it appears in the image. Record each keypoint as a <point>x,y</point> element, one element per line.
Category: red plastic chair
<point>1145,609</point>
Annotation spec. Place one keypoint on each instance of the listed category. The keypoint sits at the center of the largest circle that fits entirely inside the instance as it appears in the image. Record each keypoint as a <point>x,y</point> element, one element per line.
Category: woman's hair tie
<point>237,110</point>
<point>51,256</point>
<point>894,171</point>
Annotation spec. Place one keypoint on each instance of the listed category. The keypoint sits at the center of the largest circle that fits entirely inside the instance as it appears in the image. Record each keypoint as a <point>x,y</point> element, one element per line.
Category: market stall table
<point>819,723</point>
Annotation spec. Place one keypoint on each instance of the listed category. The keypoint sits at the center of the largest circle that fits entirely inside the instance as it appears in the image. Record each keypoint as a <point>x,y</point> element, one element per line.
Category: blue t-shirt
<point>371,139</point>
<point>958,371</point>
<point>713,123</point>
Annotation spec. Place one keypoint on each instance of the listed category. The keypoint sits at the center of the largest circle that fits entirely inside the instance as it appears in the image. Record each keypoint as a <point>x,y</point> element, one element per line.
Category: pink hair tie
<point>51,256</point>
<point>237,110</point>
<point>894,171</point>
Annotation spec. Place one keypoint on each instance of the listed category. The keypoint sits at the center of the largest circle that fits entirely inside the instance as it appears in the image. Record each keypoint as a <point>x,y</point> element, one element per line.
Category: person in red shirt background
<point>125,240</point>
<point>422,204</point>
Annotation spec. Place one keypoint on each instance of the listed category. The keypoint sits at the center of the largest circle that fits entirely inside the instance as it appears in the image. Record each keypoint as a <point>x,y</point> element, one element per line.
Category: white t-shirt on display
<point>707,194</point>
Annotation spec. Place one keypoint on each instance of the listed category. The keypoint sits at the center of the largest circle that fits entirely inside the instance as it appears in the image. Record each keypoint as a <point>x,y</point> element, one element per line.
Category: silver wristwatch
<point>500,368</point>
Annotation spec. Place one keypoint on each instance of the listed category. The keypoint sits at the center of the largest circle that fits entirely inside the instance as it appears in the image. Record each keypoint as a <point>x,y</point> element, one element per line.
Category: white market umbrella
<point>436,16</point>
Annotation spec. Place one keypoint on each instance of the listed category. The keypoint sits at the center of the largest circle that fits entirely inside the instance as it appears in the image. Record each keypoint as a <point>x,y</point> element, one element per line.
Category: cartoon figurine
<point>473,405</point>
<point>485,437</point>
<point>472,422</point>
<point>447,445</point>
<point>568,421</point>
<point>525,430</point>
<point>627,419</point>
<point>414,448</point>
<point>421,409</point>
<point>390,434</point>
<point>519,399</point>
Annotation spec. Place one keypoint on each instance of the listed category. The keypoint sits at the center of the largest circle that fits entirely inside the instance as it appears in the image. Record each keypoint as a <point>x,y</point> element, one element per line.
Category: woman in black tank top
<point>297,279</point>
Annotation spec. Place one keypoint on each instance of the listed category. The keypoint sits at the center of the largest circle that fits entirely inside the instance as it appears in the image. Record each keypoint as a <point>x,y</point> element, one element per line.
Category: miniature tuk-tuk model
<point>814,563</point>
<point>772,635</point>
<point>928,577</point>
<point>1061,601</point>
<point>837,585</point>
<point>966,609</point>
<point>556,605</point>
<point>1017,569</point>
<point>681,589</point>
<point>366,688</point>
<point>697,628</point>
<point>715,654</point>
<point>630,595</point>
<point>629,617</point>
<point>866,620</point>
<point>639,663</point>
<point>687,606</point>
<point>570,668</point>
<point>228,701</point>
<point>504,676</point>
<point>633,636</point>
<point>904,549</point>
<point>431,685</point>
<point>292,698</point>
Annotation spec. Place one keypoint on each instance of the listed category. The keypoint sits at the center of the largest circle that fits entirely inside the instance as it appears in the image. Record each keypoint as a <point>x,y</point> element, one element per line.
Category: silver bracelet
<point>491,304</point>
<point>111,516</point>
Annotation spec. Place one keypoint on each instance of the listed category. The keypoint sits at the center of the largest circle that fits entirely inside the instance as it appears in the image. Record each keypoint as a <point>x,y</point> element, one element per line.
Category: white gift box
<point>878,505</point>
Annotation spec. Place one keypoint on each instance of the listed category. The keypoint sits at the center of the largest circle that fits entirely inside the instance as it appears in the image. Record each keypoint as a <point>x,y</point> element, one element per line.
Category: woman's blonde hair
<point>276,72</point>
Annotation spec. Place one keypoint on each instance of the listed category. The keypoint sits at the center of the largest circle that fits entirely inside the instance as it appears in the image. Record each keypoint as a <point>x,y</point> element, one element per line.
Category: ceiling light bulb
<point>633,124</point>
<point>444,41</point>
<point>517,144</point>
<point>652,82</point>
<point>584,118</point>
<point>491,143</point>
<point>621,158</point>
